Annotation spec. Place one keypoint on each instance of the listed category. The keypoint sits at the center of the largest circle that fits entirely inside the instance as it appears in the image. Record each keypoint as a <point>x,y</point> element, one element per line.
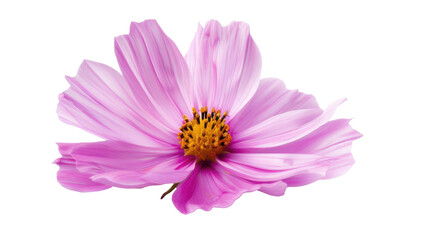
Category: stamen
<point>206,135</point>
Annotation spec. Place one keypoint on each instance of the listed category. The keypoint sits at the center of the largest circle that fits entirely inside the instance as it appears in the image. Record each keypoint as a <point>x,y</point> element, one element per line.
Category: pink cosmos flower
<point>205,122</point>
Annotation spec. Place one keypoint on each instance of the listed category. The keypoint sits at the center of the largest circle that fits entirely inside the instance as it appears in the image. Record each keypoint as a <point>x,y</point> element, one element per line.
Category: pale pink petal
<point>331,142</point>
<point>283,128</point>
<point>270,167</point>
<point>225,64</point>
<point>170,171</point>
<point>278,188</point>
<point>100,102</point>
<point>161,78</point>
<point>309,177</point>
<point>69,177</point>
<point>126,165</point>
<point>334,139</point>
<point>271,98</point>
<point>97,157</point>
<point>274,189</point>
<point>209,186</point>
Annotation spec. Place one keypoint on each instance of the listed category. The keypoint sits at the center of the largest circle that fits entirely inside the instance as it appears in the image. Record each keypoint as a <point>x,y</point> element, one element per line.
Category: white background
<point>375,53</point>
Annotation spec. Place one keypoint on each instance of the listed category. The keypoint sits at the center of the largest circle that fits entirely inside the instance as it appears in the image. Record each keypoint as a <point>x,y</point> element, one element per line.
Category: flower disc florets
<point>206,135</point>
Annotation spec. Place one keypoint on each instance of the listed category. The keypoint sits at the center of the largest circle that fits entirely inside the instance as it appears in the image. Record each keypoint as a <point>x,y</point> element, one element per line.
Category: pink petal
<point>334,139</point>
<point>160,76</point>
<point>173,170</point>
<point>100,101</point>
<point>278,188</point>
<point>270,167</point>
<point>209,186</point>
<point>274,189</point>
<point>271,98</point>
<point>283,128</point>
<point>225,64</point>
<point>331,142</point>
<point>69,177</point>
<point>309,177</point>
<point>101,165</point>
<point>130,166</point>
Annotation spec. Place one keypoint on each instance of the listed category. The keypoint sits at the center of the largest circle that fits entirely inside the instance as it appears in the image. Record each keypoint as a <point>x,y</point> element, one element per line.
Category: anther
<point>206,135</point>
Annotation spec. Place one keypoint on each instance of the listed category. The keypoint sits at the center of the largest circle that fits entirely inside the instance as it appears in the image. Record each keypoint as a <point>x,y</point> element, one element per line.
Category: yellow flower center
<point>206,135</point>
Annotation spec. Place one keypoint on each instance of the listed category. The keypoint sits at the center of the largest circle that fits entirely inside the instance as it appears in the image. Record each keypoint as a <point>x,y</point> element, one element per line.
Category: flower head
<point>204,123</point>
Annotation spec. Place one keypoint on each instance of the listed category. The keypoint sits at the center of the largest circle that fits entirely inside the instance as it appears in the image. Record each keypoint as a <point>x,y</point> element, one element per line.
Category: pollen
<point>206,135</point>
